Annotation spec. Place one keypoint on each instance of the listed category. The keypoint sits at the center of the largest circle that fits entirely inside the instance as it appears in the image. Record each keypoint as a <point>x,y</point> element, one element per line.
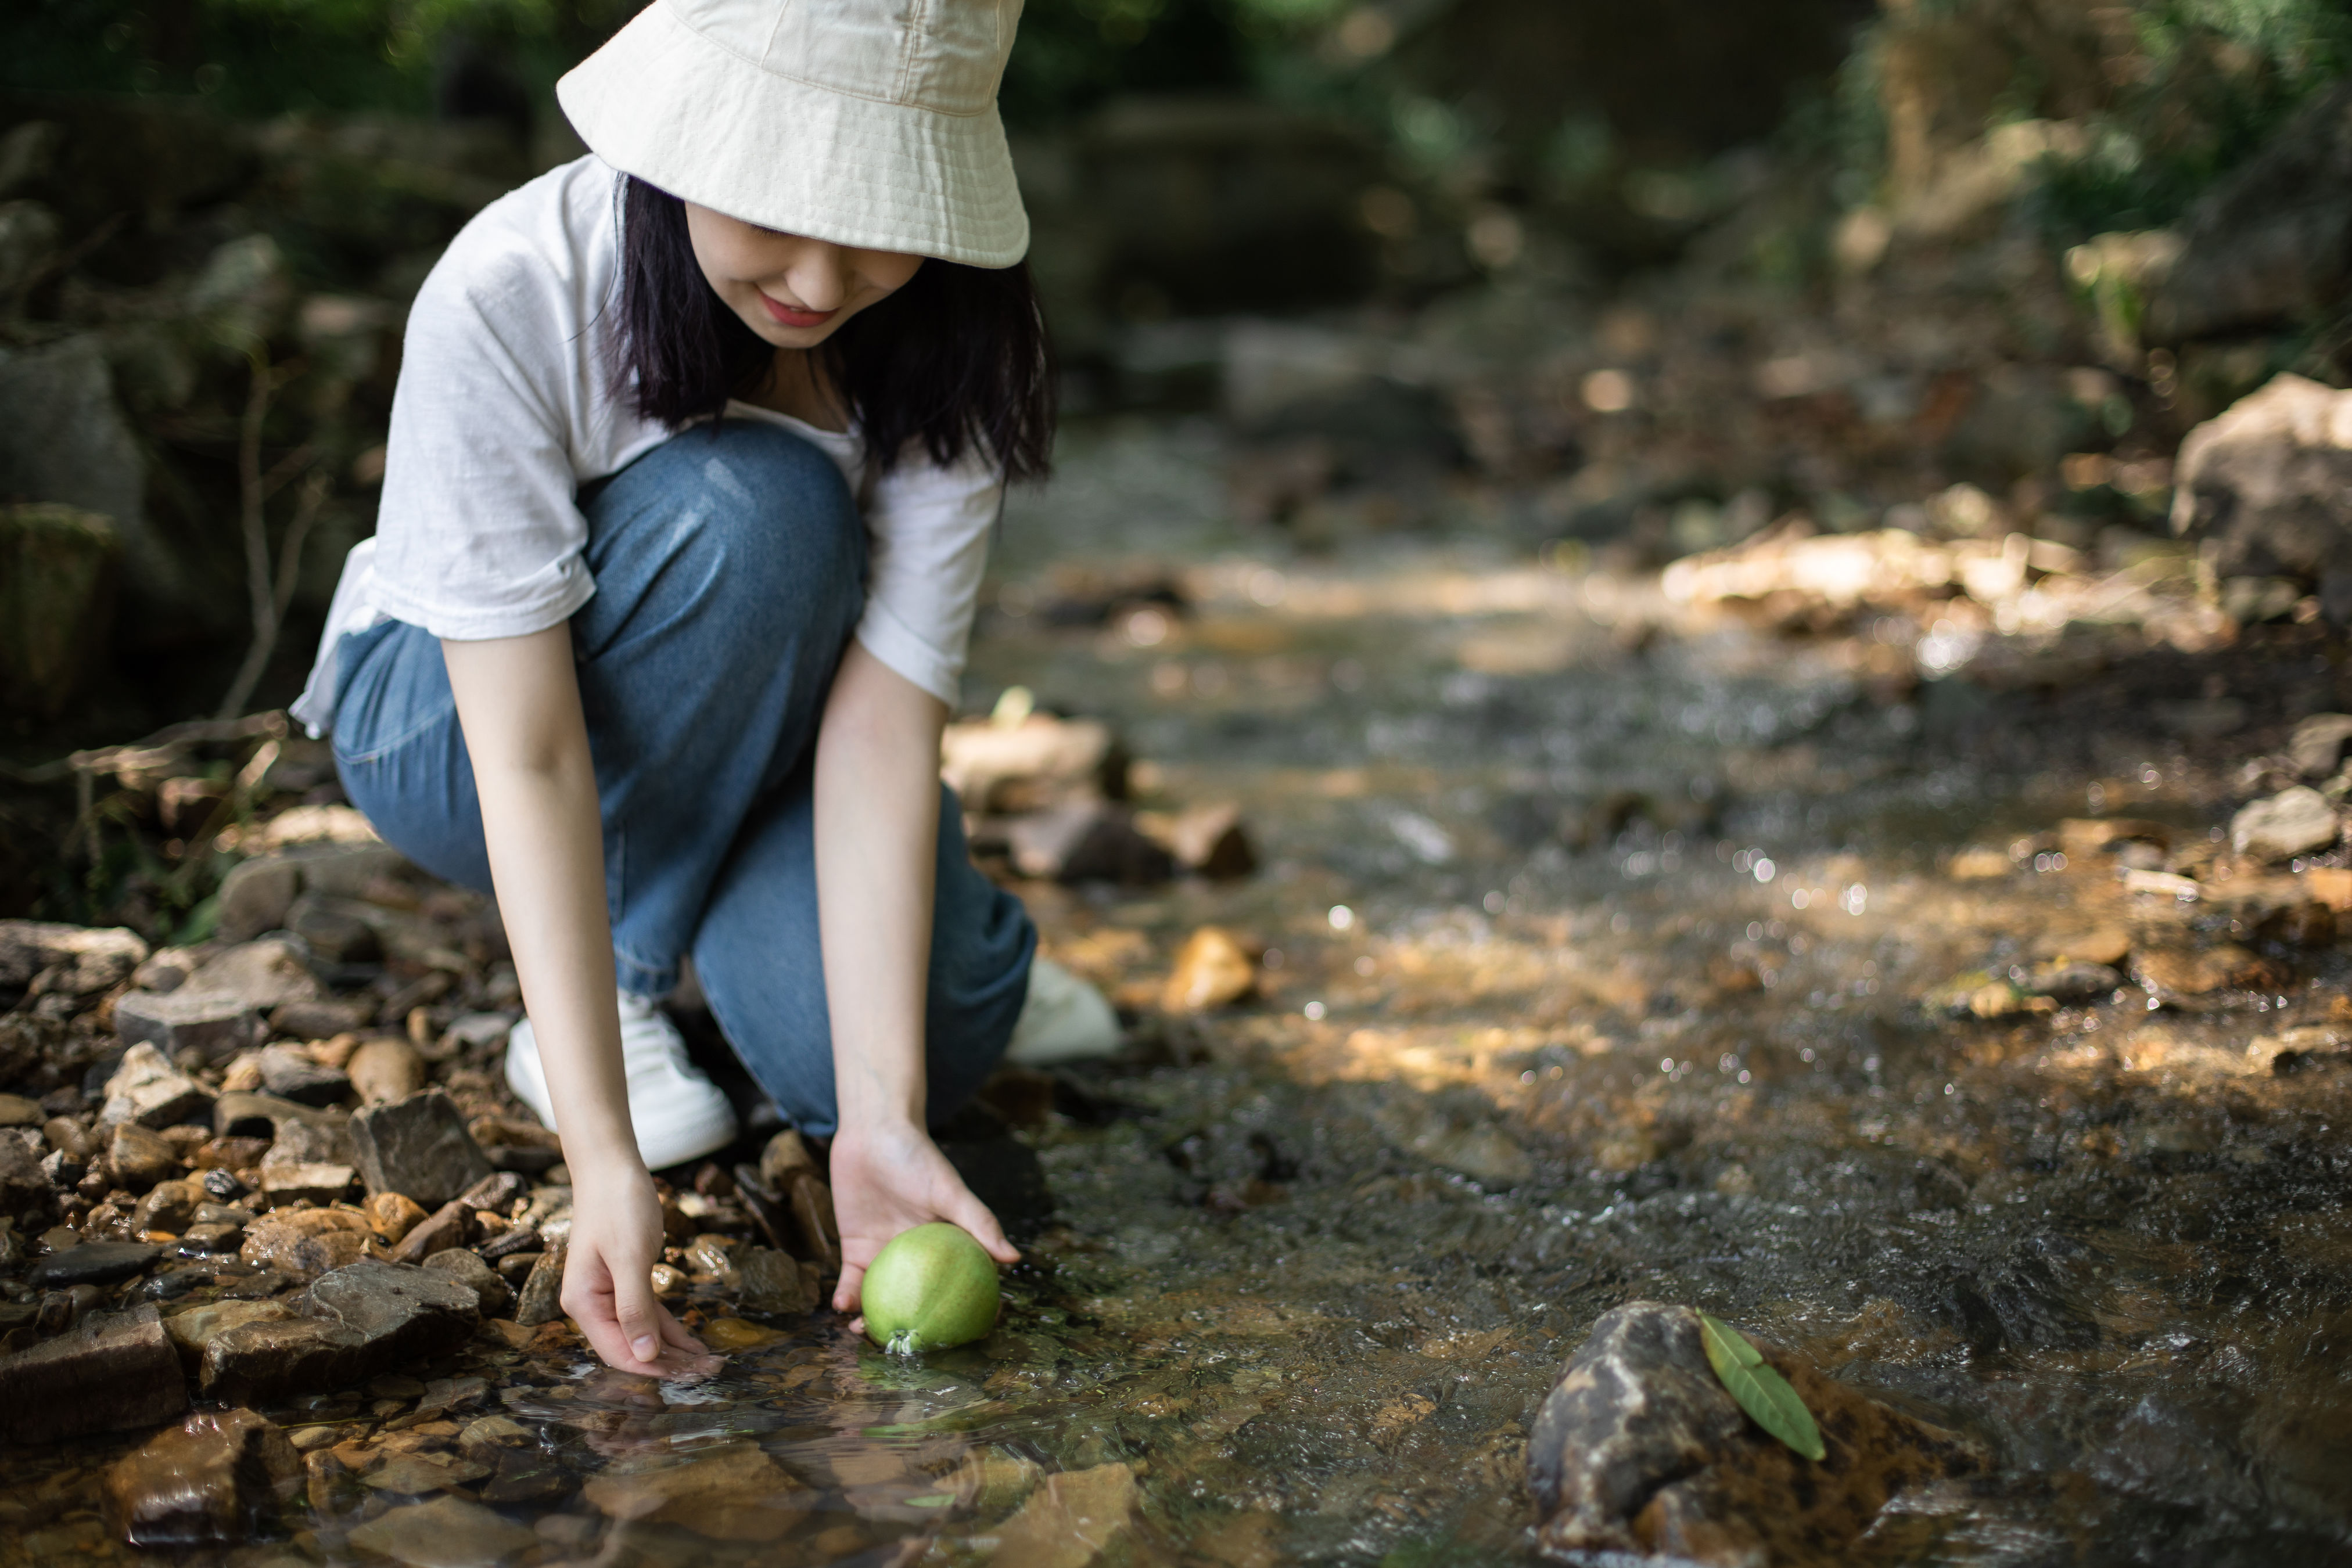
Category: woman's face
<point>793,292</point>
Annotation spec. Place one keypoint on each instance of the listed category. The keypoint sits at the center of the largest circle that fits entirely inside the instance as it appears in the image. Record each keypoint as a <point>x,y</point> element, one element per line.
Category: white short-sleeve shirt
<point>504,410</point>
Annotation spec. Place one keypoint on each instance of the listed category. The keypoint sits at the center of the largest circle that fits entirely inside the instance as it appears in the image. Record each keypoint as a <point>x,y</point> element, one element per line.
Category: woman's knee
<point>736,511</point>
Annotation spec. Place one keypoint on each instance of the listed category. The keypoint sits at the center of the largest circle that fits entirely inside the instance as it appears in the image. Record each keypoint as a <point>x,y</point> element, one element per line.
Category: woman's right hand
<point>616,1233</point>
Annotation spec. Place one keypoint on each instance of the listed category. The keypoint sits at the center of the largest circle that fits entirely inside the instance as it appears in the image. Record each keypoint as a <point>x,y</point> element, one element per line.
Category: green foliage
<point>2216,78</point>
<point>1761,1391</point>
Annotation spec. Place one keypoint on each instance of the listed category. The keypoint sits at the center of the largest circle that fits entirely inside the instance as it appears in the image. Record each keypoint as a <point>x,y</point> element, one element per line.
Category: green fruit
<point>931,1288</point>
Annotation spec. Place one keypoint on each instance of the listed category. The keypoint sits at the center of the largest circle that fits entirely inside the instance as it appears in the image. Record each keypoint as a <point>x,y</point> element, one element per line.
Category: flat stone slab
<point>351,1324</point>
<point>91,1263</point>
<point>113,1372</point>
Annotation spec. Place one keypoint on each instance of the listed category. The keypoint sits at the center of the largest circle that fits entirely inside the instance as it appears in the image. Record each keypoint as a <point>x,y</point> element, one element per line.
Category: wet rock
<point>295,1074</point>
<point>486,1439</point>
<point>393,1215</point>
<point>2270,480</point>
<point>447,1227</point>
<point>1213,969</point>
<point>2292,822</point>
<point>734,1492</point>
<point>493,1293</point>
<point>91,1263</point>
<point>66,960</point>
<point>766,1280</point>
<point>138,1158</point>
<point>2072,983</point>
<point>148,1091</point>
<point>1478,1149</point>
<point>443,1532</point>
<point>1087,842</point>
<point>810,1202</point>
<point>351,1324</point>
<point>308,1242</point>
<point>1638,1449</point>
<point>540,1300</point>
<point>195,1329</point>
<point>414,1475</point>
<point>113,1372</point>
<point>1073,1519</point>
<point>216,1479</point>
<point>419,1146</point>
<point>384,1072</point>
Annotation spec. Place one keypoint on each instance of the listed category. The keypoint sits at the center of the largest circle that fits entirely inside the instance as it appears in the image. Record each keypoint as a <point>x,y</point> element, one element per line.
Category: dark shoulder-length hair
<point>958,359</point>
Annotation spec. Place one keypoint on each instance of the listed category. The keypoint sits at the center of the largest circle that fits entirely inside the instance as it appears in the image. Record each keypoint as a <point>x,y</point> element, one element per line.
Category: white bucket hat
<point>865,123</point>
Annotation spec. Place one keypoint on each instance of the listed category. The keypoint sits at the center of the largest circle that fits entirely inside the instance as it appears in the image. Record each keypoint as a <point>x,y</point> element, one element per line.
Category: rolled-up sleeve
<point>478,534</point>
<point>930,526</point>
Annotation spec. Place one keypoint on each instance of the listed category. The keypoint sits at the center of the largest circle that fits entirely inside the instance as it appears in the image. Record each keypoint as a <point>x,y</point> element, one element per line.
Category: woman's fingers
<point>638,1316</point>
<point>844,1294</point>
<point>974,1217</point>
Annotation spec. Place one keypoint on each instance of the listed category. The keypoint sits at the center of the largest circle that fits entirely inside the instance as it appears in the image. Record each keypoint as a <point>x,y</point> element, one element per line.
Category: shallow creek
<point>1309,1271</point>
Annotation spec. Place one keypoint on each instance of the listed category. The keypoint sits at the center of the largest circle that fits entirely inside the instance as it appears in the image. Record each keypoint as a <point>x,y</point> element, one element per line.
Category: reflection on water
<point>1606,964</point>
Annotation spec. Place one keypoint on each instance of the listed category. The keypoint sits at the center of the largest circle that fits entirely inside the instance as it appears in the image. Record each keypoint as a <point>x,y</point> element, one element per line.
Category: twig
<point>267,593</point>
<point>154,751</point>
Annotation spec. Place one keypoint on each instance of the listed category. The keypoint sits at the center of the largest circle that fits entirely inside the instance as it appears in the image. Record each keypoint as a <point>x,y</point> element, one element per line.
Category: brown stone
<point>393,1215</point>
<point>322,1018</point>
<point>734,1492</point>
<point>493,1292</point>
<point>811,1202</point>
<point>169,1206</point>
<point>308,1242</point>
<point>22,1183</point>
<point>193,1330</point>
<point>308,1181</point>
<point>1639,1450</point>
<point>213,1480</point>
<point>767,1280</point>
<point>541,1300</point>
<point>138,1158</point>
<point>1071,1520</point>
<point>113,1372</point>
<point>385,1071</point>
<point>1213,969</point>
<point>51,959</point>
<point>418,1145</point>
<point>443,1531</point>
<point>786,1152</point>
<point>1206,840</point>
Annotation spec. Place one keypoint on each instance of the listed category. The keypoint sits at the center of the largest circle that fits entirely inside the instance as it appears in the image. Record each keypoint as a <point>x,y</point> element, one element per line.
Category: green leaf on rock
<point>1760,1391</point>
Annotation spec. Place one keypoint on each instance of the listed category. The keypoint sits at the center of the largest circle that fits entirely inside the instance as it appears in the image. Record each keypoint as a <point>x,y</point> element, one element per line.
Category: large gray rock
<point>1639,1450</point>
<point>419,1147</point>
<point>219,1010</point>
<point>355,1323</point>
<point>215,1480</point>
<point>113,1372</point>
<point>2270,481</point>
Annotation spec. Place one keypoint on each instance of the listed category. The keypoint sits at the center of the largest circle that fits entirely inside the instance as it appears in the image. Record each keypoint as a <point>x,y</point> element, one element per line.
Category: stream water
<point>1312,1264</point>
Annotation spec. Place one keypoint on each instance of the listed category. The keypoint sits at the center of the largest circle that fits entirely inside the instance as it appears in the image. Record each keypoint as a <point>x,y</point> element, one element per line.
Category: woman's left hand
<point>890,1178</point>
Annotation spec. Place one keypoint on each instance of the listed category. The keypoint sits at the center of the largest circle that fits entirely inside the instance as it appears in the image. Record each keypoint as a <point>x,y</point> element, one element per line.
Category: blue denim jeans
<point>729,565</point>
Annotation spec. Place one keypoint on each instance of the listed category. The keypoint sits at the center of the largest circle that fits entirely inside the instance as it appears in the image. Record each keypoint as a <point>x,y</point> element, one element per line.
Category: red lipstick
<point>786,316</point>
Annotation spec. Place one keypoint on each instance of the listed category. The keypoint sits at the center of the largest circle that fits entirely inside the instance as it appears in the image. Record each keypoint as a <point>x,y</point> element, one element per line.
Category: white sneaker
<point>679,1113</point>
<point>1065,1020</point>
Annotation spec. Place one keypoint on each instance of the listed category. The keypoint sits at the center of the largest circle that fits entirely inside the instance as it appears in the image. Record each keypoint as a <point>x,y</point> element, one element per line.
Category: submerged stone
<point>112,1372</point>
<point>731,1493</point>
<point>443,1532</point>
<point>351,1324</point>
<point>213,1480</point>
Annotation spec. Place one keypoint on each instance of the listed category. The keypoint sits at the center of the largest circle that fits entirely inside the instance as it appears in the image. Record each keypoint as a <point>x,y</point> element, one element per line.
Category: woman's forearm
<point>519,703</point>
<point>877,807</point>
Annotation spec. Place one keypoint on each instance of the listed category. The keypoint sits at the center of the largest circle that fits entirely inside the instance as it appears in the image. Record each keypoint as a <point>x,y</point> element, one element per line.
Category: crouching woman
<point>695,455</point>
